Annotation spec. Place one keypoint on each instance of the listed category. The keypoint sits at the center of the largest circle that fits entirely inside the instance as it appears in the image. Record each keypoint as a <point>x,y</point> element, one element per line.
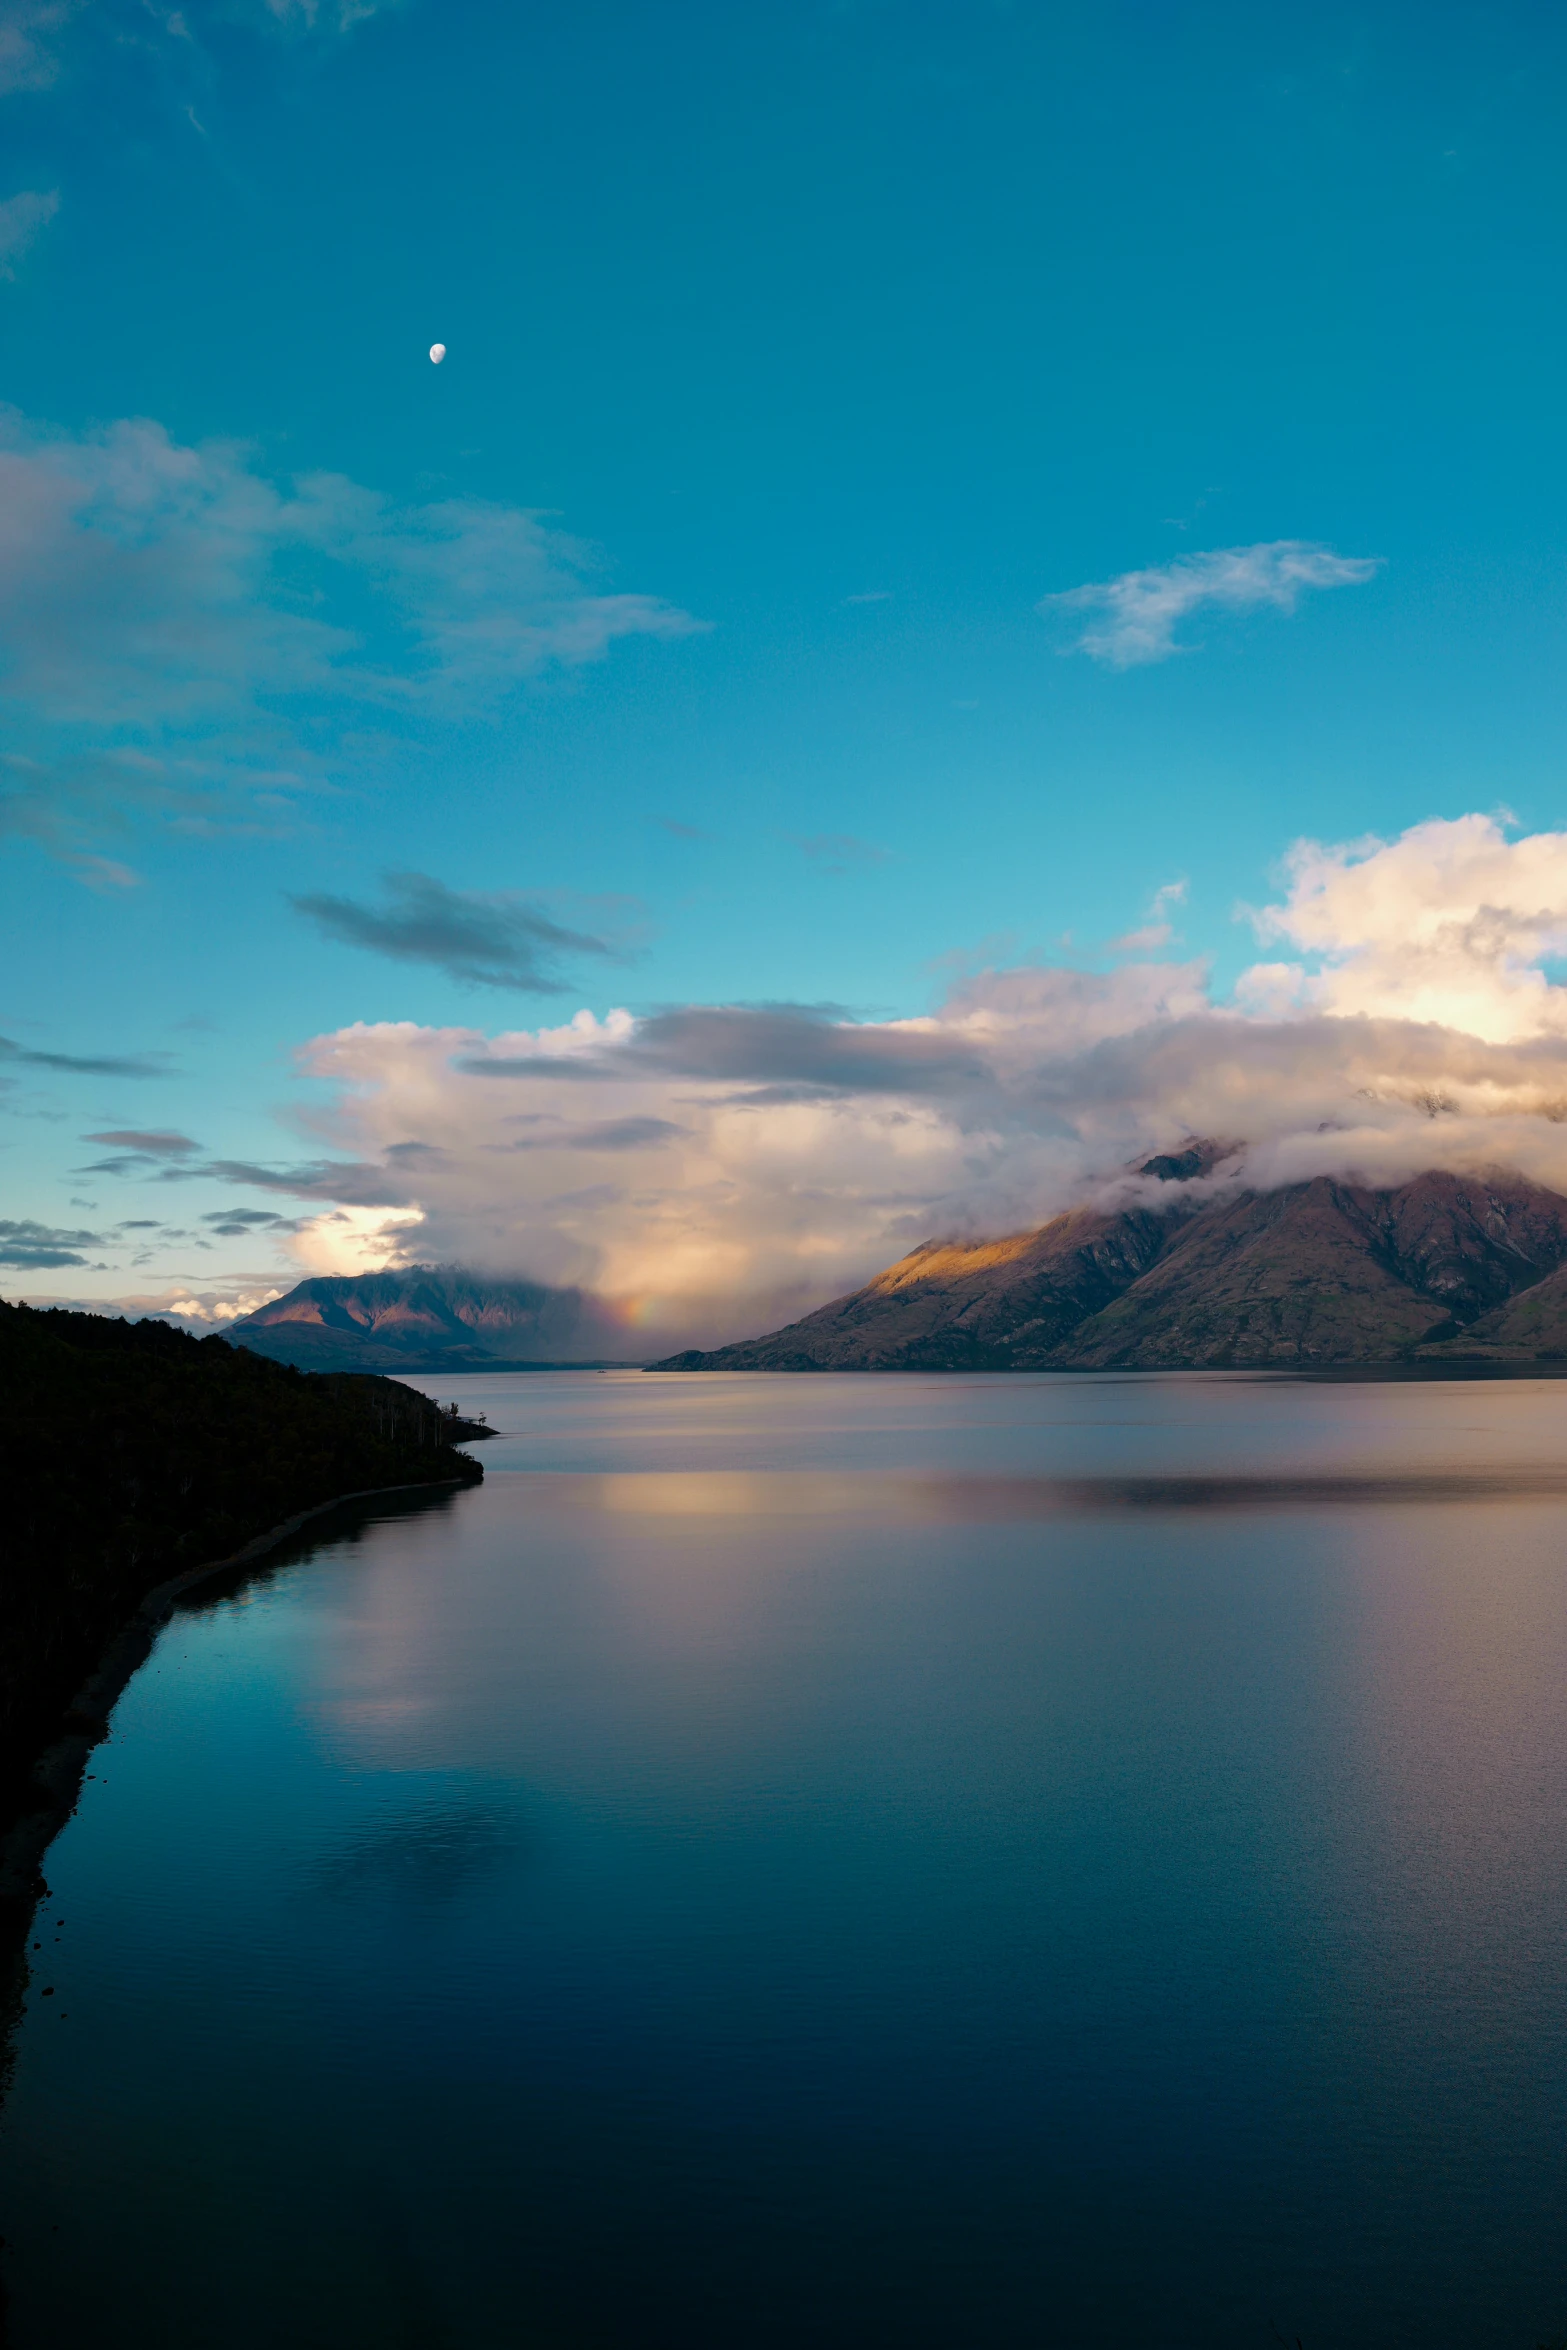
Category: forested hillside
<point>132,1453</point>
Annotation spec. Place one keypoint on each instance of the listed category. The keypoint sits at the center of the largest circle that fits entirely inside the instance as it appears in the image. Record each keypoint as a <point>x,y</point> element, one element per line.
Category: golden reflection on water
<point>958,1500</point>
<point>1460,1674</point>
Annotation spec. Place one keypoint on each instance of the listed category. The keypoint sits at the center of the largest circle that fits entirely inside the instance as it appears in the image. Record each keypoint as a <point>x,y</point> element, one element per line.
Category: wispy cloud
<point>137,1149</point>
<point>333,1179</point>
<point>480,938</point>
<point>242,1223</point>
<point>28,60</point>
<point>324,16</point>
<point>181,628</point>
<point>30,30</point>
<point>23,218</point>
<point>84,1065</point>
<point>1158,930</point>
<point>150,1142</point>
<point>839,852</point>
<point>1141,610</point>
<point>35,1248</point>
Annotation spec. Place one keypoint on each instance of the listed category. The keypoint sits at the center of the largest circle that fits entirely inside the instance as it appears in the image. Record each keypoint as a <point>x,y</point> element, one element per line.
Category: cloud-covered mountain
<point>426,1317</point>
<point>1314,1274</point>
<point>711,1170</point>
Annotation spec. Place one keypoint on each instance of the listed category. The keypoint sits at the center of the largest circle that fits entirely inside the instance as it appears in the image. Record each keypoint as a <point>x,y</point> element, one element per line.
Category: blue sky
<point>699,607</point>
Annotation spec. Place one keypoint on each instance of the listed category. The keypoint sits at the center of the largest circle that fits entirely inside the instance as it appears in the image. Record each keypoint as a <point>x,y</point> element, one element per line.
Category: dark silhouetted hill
<point>132,1453</point>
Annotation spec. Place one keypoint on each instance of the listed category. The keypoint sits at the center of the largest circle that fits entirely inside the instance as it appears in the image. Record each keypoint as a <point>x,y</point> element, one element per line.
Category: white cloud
<point>211,1306</point>
<point>1158,931</point>
<point>1450,923</point>
<point>23,217</point>
<point>175,625</point>
<point>1141,610</point>
<point>679,1198</point>
<point>198,1308</point>
<point>354,1240</point>
<point>715,1169</point>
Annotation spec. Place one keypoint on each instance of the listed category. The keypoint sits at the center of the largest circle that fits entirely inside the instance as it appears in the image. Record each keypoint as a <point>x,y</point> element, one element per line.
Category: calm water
<point>839,1862</point>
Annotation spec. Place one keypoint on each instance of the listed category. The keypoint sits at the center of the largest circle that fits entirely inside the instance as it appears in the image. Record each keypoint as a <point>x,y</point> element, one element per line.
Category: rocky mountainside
<point>1319,1273</point>
<point>427,1317</point>
<point>1529,1328</point>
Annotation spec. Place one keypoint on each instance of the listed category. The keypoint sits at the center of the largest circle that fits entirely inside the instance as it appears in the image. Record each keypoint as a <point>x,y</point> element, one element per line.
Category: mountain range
<point>424,1318</point>
<point>1446,1267</point>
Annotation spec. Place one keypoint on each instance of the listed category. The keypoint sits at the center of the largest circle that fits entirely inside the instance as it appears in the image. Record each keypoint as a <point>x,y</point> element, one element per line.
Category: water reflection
<point>1093,1876</point>
<point>340,1530</point>
<point>969,1500</point>
<point>428,1849</point>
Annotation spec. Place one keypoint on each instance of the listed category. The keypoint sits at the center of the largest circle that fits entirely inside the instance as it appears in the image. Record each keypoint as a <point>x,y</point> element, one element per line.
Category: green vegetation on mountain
<point>133,1453</point>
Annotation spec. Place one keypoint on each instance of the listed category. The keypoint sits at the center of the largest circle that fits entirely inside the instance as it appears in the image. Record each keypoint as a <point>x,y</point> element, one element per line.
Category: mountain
<point>1528,1328</point>
<point>424,1318</point>
<point>1317,1273</point>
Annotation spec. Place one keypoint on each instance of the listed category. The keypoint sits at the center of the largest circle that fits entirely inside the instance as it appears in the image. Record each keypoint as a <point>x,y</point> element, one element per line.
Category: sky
<point>981,587</point>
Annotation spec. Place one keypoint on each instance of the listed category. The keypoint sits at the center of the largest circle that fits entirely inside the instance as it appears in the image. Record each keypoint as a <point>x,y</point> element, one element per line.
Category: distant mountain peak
<point>429,1317</point>
<point>1189,1160</point>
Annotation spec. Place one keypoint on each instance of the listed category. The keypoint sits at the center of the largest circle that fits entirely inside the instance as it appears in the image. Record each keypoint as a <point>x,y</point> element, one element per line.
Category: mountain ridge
<point>1323,1273</point>
<point>423,1317</point>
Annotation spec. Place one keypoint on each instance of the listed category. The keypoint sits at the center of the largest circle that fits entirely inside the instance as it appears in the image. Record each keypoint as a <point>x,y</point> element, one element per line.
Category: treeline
<point>131,1453</point>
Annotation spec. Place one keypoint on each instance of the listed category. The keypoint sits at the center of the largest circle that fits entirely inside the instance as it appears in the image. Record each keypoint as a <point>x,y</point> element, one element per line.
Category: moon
<point>437,354</point>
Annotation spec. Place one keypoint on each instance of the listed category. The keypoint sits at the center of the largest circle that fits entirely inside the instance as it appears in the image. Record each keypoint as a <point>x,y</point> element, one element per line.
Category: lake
<point>912,1861</point>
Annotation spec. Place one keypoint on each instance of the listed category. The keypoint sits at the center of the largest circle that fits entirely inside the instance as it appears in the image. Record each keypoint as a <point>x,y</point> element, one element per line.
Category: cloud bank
<point>712,1169</point>
<point>1140,611</point>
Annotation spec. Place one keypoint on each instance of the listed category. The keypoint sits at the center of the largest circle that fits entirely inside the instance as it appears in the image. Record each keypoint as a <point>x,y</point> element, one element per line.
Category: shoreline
<point>1409,1371</point>
<point>57,1774</point>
